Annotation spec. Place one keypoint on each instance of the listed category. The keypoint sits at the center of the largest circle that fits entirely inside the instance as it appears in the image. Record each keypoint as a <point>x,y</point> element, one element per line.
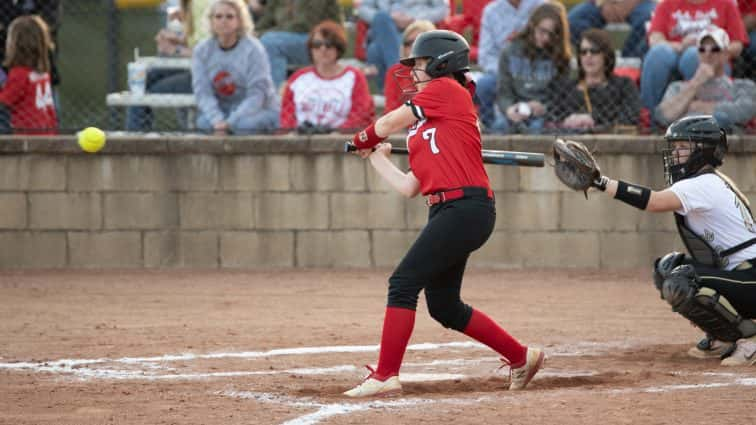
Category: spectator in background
<point>598,100</point>
<point>387,19</point>
<point>501,20</point>
<point>598,13</point>
<point>675,27</point>
<point>183,31</point>
<point>327,95</point>
<point>710,91</point>
<point>285,26</point>
<point>26,97</point>
<point>748,12</point>
<point>395,94</point>
<point>48,10</point>
<point>536,56</point>
<point>231,75</point>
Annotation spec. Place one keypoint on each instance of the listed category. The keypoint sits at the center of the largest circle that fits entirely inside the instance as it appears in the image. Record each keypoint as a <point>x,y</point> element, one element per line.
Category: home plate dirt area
<point>279,347</point>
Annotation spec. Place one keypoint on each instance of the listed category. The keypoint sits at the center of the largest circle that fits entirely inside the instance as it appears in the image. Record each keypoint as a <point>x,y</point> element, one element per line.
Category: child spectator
<point>598,13</point>
<point>392,91</point>
<point>26,95</point>
<point>387,19</point>
<point>536,56</point>
<point>710,91</point>
<point>501,21</point>
<point>675,27</point>
<point>231,75</point>
<point>598,100</point>
<point>285,26</point>
<point>327,95</point>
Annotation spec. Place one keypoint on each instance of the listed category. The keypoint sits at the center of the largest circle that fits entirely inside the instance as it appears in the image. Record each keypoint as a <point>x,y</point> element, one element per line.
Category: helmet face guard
<point>706,142</point>
<point>407,78</point>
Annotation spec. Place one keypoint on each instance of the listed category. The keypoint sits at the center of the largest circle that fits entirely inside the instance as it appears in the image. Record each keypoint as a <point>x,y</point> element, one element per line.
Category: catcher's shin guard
<point>704,306</point>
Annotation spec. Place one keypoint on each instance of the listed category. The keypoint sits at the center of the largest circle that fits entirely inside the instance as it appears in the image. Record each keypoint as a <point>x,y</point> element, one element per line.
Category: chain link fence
<point>96,40</point>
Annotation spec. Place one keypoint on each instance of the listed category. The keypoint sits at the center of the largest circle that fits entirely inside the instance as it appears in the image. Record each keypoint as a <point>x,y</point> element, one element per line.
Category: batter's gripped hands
<point>383,149</point>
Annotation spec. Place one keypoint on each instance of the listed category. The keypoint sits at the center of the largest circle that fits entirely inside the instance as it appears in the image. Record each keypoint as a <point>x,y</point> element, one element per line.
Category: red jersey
<point>679,18</point>
<point>28,96</point>
<point>444,145</point>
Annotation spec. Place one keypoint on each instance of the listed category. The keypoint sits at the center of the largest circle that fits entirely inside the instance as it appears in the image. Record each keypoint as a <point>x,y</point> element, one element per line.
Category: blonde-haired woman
<point>231,75</point>
<point>396,94</point>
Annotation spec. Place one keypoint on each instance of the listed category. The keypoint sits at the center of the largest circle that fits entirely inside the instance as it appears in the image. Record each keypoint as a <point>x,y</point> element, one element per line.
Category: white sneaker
<point>744,354</point>
<point>710,348</point>
<point>521,376</point>
<point>372,386</point>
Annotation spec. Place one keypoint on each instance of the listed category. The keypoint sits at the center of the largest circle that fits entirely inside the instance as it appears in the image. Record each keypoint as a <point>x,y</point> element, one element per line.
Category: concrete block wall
<point>289,202</point>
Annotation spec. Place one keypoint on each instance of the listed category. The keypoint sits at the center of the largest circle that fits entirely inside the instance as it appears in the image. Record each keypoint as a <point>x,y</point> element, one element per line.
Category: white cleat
<point>744,354</point>
<point>521,376</point>
<point>372,386</point>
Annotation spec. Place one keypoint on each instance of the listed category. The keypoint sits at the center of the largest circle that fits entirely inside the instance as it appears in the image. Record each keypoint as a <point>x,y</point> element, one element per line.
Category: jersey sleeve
<point>694,195</point>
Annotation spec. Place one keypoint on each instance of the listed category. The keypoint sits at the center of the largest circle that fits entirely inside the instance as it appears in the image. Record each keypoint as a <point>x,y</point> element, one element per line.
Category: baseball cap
<point>717,34</point>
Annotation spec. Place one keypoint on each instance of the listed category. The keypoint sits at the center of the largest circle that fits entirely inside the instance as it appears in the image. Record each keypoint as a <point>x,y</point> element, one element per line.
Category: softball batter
<point>446,166</point>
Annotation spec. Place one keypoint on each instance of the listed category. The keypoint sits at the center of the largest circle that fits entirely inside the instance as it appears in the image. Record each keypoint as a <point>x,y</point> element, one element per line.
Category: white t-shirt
<point>716,214</point>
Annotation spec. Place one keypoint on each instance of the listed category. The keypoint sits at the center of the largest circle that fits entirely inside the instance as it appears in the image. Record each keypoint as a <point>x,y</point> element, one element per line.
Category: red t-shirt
<point>444,145</point>
<point>28,96</point>
<point>678,18</point>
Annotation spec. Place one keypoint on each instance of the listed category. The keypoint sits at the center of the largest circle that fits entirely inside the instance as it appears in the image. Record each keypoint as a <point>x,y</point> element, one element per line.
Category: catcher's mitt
<point>574,165</point>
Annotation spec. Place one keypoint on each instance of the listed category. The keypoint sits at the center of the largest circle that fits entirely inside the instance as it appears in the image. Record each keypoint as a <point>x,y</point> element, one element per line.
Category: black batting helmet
<point>708,145</point>
<point>447,52</point>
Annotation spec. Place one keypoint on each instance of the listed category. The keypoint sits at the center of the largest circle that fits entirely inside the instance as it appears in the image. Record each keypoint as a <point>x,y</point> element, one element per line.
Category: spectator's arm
<point>288,114</point>
<point>618,11</point>
<point>432,10</point>
<point>202,87</point>
<point>676,100</point>
<point>260,84</point>
<point>505,95</point>
<point>367,10</point>
<point>487,57</point>
<point>629,113</point>
<point>12,92</point>
<point>363,110</point>
<point>742,108</point>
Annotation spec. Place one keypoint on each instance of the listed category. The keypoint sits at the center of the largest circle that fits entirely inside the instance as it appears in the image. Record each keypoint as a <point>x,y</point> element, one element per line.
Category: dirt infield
<point>272,347</point>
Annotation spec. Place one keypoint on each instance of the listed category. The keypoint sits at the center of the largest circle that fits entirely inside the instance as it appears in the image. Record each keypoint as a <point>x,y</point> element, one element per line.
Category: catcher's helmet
<point>708,145</point>
<point>447,52</point>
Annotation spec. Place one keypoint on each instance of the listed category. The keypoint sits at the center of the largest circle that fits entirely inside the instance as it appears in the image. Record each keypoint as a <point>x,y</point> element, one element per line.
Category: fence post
<point>113,52</point>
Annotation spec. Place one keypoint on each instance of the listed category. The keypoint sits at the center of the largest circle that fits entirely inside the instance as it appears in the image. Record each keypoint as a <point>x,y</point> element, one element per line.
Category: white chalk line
<point>327,410</point>
<point>152,367</point>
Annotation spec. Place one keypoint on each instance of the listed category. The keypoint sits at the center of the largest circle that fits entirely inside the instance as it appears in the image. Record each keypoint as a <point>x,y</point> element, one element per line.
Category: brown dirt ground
<point>616,351</point>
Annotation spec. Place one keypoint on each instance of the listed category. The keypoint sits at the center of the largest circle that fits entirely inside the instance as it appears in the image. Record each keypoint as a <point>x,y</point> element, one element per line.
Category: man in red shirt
<point>445,165</point>
<point>674,31</point>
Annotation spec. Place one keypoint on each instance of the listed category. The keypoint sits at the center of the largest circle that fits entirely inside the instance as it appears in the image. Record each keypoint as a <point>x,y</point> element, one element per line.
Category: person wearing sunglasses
<point>731,101</point>
<point>537,56</point>
<point>392,90</point>
<point>673,33</point>
<point>231,75</point>
<point>598,100</point>
<point>327,95</point>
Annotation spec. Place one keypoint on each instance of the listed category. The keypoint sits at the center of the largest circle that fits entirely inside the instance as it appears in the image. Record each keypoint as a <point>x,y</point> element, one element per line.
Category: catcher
<point>714,286</point>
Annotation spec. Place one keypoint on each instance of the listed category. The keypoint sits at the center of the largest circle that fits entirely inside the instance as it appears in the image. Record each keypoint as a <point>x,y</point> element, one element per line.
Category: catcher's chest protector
<point>697,246</point>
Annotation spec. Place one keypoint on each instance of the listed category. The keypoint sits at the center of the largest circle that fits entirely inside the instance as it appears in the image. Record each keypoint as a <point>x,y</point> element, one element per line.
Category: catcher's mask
<point>706,142</point>
<point>447,53</point>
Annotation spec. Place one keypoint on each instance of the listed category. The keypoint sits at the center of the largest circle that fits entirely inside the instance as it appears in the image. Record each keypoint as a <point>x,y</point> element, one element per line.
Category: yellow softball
<point>91,139</point>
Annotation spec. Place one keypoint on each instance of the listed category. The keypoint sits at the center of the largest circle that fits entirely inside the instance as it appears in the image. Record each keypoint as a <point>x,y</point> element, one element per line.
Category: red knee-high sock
<point>485,330</point>
<point>397,328</point>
